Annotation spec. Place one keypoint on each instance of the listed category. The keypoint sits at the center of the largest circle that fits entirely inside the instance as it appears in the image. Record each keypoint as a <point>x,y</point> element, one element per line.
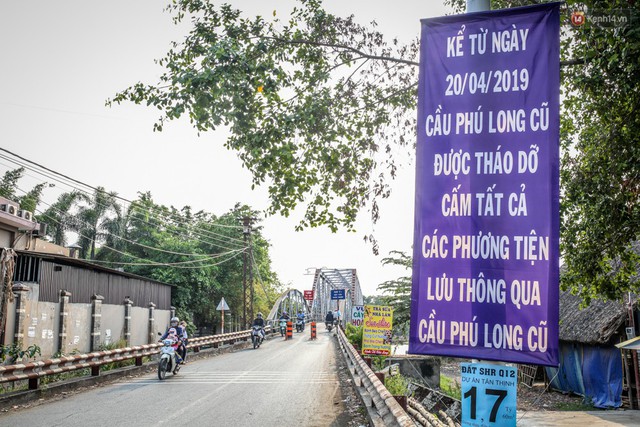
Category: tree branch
<point>347,48</point>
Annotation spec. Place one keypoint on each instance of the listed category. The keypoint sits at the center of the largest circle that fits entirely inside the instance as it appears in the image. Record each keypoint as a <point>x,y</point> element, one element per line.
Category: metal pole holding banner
<point>478,5</point>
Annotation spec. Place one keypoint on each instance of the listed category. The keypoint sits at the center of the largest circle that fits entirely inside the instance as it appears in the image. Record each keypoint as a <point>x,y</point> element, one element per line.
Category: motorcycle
<point>283,327</point>
<point>299,325</point>
<point>168,358</point>
<point>256,336</point>
<point>329,326</point>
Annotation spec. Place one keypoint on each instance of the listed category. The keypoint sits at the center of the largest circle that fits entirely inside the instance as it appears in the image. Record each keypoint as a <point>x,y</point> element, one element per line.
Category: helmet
<point>284,313</point>
<point>172,331</point>
<point>175,320</point>
<point>260,315</point>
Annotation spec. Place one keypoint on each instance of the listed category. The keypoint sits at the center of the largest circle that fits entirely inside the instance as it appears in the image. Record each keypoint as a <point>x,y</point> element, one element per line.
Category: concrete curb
<point>382,407</point>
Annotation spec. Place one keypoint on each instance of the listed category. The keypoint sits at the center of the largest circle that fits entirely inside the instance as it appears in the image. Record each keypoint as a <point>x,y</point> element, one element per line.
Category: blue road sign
<point>337,294</point>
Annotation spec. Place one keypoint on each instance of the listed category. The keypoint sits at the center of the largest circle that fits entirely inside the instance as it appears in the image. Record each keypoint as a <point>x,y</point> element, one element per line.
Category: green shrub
<point>398,385</point>
<point>354,334</point>
<point>450,387</point>
<point>14,352</point>
<point>121,343</point>
<point>378,362</point>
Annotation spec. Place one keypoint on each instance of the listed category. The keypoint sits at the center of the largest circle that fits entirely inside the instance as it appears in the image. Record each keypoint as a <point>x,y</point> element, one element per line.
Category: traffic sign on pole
<point>222,307</point>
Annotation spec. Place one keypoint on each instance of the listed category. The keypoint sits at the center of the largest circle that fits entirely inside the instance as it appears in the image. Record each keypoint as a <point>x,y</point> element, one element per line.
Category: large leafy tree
<point>9,183</point>
<point>601,162</point>
<point>9,189</point>
<point>199,253</point>
<point>310,102</point>
<point>318,104</point>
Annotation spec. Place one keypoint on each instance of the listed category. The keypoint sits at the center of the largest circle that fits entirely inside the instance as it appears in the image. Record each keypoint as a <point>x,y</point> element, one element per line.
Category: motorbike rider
<point>329,318</point>
<point>300,317</point>
<point>337,316</point>
<point>180,332</point>
<point>185,341</point>
<point>259,321</point>
<point>282,320</point>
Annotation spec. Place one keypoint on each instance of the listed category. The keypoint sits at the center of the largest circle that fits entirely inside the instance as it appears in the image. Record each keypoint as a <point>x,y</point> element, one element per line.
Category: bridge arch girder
<point>328,279</point>
<point>290,301</point>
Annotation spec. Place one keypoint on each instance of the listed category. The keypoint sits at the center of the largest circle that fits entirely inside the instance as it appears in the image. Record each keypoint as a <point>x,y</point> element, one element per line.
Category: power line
<point>154,263</point>
<point>136,207</point>
<point>77,181</point>
<point>123,238</point>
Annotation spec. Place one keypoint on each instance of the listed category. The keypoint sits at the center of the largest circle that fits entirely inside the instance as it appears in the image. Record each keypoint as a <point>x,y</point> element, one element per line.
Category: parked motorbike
<point>168,358</point>
<point>256,336</point>
<point>283,327</point>
<point>299,325</point>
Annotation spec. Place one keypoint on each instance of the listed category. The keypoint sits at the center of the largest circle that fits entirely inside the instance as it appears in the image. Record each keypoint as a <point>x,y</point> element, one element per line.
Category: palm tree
<point>59,218</point>
<point>92,218</point>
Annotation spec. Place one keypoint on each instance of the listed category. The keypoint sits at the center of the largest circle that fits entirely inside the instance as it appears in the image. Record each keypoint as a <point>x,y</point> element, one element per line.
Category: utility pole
<point>247,289</point>
<point>251,316</point>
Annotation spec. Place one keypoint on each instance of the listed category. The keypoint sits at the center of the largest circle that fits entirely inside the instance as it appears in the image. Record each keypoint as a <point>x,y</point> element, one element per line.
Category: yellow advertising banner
<point>376,335</point>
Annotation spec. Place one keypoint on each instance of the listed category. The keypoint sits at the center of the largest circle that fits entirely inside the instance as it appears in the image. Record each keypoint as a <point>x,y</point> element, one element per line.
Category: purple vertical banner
<point>486,256</point>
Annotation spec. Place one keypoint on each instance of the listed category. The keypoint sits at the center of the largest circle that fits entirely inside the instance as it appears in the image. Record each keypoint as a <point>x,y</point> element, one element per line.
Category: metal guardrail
<point>33,371</point>
<point>385,404</point>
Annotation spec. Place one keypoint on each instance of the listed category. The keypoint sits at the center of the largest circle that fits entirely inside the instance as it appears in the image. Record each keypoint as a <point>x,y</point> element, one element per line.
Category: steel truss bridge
<point>324,281</point>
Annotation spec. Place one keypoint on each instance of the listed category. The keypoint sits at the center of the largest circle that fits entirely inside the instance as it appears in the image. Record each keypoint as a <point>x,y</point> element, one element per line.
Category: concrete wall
<point>41,324</point>
<point>424,369</point>
<point>78,329</point>
<point>112,323</point>
<point>163,318</point>
<point>9,326</point>
<point>6,238</point>
<point>139,316</point>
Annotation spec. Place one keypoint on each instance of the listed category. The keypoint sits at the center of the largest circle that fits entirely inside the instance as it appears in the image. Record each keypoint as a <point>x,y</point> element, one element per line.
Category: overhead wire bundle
<point>170,221</point>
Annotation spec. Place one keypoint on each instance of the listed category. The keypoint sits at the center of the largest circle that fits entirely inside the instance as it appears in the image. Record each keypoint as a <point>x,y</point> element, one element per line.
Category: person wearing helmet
<point>259,321</point>
<point>329,318</point>
<point>282,322</point>
<point>185,340</point>
<point>285,316</point>
<point>180,332</point>
<point>300,321</point>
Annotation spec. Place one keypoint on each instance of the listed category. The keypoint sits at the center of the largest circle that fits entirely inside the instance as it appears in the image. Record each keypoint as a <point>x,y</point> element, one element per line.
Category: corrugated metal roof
<point>64,260</point>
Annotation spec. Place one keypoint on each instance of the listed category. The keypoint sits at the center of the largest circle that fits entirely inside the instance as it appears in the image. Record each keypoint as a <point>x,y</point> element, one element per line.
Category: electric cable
<point>209,234</point>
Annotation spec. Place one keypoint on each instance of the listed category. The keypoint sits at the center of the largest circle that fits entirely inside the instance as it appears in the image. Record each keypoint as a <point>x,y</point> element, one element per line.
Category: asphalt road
<point>282,383</point>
